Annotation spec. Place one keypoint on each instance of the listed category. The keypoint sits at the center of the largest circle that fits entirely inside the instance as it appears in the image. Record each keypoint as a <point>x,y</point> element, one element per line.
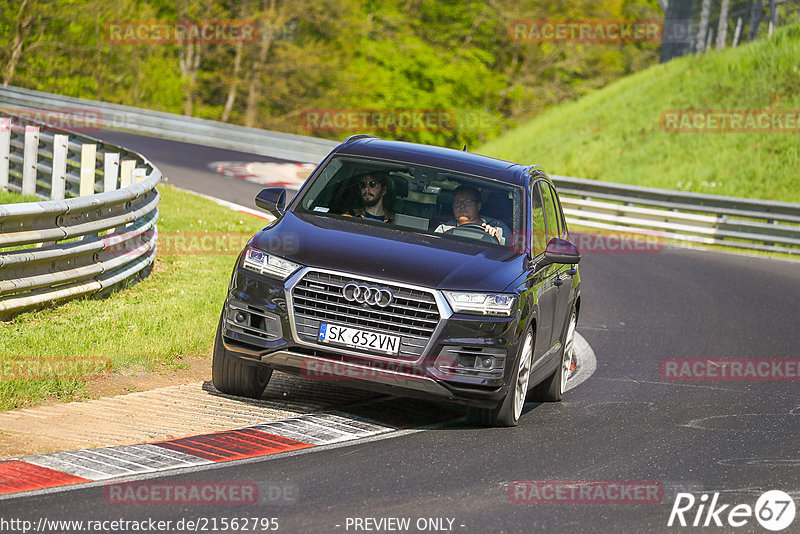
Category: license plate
<point>358,339</point>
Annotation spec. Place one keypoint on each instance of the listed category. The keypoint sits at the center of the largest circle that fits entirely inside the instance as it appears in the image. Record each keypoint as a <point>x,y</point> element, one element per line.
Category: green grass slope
<point>615,134</point>
<point>7,197</point>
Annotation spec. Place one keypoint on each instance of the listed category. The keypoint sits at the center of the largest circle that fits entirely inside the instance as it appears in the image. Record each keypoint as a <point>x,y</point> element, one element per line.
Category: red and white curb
<point>57,469</point>
<point>290,175</point>
<point>69,468</point>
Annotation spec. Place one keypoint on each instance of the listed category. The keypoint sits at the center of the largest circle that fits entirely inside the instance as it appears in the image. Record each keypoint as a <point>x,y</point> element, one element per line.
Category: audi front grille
<point>412,314</point>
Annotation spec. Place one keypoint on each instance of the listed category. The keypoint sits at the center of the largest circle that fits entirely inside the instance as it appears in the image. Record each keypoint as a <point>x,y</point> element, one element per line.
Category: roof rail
<point>356,137</point>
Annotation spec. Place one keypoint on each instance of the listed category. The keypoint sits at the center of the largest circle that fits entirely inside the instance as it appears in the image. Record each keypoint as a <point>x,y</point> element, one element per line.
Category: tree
<point>22,18</point>
<point>451,57</point>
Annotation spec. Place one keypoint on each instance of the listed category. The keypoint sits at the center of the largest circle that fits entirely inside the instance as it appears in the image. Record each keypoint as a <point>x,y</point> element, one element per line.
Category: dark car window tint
<point>562,220</point>
<point>537,224</point>
<point>559,216</point>
<point>550,218</point>
<point>418,198</point>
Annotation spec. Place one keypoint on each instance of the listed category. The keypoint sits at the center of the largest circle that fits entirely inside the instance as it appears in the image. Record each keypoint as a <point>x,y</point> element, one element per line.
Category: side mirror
<point>273,200</point>
<point>560,251</point>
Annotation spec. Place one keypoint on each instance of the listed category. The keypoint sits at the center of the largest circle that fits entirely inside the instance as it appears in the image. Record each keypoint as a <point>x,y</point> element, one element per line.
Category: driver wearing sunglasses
<point>372,189</point>
<point>466,210</point>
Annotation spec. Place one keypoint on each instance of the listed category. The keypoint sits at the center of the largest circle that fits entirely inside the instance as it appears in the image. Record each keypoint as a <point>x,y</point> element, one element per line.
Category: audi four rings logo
<point>364,294</point>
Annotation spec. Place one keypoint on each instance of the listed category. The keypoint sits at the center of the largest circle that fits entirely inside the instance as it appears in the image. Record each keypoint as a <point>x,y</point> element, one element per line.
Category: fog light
<point>481,362</point>
<point>240,318</point>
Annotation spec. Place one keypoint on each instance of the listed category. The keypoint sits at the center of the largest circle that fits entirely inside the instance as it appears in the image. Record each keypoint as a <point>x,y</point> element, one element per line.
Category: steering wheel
<point>472,230</point>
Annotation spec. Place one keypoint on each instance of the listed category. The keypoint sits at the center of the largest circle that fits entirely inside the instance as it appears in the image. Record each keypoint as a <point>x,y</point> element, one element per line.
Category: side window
<point>562,221</point>
<point>551,219</point>
<point>559,214</point>
<point>539,237</point>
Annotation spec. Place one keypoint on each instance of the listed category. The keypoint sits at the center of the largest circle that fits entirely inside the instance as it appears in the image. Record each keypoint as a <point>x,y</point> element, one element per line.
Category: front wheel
<point>234,377</point>
<point>553,387</point>
<point>510,409</point>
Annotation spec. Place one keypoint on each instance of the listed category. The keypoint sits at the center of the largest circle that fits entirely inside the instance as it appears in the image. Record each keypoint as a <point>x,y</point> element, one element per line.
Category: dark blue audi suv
<point>410,269</point>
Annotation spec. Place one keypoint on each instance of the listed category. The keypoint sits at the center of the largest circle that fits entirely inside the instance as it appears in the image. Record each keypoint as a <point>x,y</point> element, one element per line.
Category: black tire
<point>234,377</point>
<point>508,411</point>
<point>552,388</point>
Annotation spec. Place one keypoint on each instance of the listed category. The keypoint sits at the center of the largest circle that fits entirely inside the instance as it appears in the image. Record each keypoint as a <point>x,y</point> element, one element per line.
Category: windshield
<point>416,198</point>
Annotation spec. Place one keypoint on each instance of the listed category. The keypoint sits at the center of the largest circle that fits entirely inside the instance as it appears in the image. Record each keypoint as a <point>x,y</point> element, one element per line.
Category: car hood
<point>388,253</point>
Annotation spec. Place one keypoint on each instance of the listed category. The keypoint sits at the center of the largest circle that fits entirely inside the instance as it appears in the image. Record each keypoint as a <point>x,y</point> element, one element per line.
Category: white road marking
<point>587,362</point>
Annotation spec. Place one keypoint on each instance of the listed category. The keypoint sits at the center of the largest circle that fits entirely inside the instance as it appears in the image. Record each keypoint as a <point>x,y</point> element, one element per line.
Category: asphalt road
<point>187,166</point>
<point>625,423</point>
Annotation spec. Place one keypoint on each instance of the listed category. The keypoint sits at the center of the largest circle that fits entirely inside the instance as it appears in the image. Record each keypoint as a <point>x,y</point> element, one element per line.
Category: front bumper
<point>259,326</point>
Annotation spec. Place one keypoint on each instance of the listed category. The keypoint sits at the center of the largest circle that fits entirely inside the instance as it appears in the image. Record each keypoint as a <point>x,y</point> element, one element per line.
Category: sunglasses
<point>372,184</point>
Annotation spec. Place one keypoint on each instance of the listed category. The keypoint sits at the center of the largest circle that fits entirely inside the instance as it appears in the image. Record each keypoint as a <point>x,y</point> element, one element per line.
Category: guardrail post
<point>126,168</point>
<point>88,154</point>
<point>137,175</point>
<point>59,176</point>
<point>5,144</point>
<point>29,160</point>
<point>110,172</point>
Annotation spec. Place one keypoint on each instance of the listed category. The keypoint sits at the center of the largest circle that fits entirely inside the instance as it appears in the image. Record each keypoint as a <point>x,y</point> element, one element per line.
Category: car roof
<point>434,156</point>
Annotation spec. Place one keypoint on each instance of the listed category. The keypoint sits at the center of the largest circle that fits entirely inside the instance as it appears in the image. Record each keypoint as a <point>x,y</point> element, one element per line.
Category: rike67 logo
<point>774,510</point>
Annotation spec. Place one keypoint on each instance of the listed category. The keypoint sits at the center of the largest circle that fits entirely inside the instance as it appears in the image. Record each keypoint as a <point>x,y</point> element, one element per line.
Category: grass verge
<point>7,197</point>
<point>150,326</point>
<point>615,133</point>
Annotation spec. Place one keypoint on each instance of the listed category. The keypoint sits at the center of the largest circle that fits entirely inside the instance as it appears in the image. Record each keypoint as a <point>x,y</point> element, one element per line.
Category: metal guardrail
<point>681,216</point>
<point>177,127</point>
<point>82,245</point>
<point>687,217</point>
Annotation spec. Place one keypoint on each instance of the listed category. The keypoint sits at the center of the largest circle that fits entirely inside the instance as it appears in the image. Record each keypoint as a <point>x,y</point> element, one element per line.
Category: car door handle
<point>557,282</point>
<point>572,272</point>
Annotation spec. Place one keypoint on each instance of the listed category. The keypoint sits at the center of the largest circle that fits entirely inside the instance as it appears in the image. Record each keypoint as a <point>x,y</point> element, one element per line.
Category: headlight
<point>482,303</point>
<point>264,263</point>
